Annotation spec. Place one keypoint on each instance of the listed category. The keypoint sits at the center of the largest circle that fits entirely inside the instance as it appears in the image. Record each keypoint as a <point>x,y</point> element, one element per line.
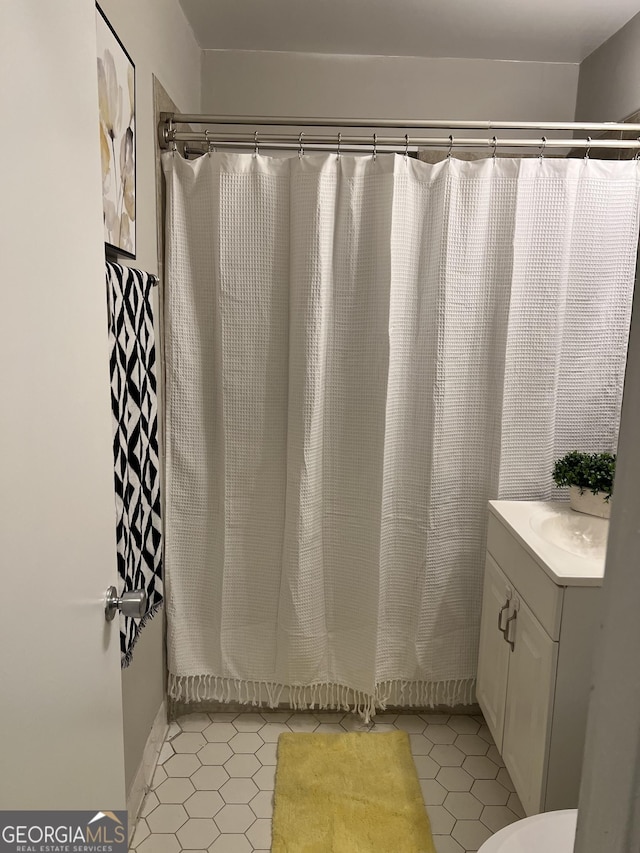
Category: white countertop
<point>525,520</point>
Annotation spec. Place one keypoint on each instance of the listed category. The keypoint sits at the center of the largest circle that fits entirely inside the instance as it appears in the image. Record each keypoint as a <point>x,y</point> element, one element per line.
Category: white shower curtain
<point>359,353</point>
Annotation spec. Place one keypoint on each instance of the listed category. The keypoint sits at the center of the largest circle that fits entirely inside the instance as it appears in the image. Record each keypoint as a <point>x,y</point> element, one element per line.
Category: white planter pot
<point>589,503</point>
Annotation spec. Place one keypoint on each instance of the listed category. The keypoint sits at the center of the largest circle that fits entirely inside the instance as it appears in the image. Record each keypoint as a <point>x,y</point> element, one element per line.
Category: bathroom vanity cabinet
<point>540,617</point>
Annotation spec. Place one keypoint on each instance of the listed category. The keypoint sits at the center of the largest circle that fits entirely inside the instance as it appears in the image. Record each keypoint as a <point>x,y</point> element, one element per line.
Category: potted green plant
<point>590,480</point>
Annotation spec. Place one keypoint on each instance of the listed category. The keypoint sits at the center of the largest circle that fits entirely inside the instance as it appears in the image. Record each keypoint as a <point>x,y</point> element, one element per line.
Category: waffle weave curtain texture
<point>360,353</point>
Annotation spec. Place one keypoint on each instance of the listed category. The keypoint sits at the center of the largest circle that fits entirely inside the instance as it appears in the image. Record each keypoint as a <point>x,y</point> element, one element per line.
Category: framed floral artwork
<point>117,103</point>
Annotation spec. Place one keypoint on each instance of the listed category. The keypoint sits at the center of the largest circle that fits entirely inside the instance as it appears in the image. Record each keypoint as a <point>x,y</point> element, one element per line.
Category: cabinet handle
<point>505,606</point>
<point>507,629</point>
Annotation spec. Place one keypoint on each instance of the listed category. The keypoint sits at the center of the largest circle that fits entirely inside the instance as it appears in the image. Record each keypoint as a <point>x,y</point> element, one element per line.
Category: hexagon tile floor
<point>212,791</point>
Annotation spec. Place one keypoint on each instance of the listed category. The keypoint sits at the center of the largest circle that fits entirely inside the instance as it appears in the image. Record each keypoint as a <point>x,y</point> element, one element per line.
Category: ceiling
<point>543,30</point>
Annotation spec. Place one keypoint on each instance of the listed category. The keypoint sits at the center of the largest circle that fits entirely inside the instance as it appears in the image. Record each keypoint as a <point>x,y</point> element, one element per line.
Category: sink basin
<point>579,534</point>
<point>568,545</point>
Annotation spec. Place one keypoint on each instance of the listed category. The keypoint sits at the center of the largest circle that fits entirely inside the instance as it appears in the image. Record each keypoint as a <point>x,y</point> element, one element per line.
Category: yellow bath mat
<point>350,793</point>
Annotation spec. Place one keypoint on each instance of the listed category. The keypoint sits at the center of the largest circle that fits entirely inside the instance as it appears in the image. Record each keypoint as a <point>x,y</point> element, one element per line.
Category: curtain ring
<point>300,149</point>
<point>375,145</point>
<point>209,143</point>
<point>637,155</point>
<point>494,143</point>
<point>544,144</point>
<point>339,144</point>
<point>255,144</point>
<point>450,146</point>
<point>586,153</point>
<point>170,133</point>
<point>406,145</point>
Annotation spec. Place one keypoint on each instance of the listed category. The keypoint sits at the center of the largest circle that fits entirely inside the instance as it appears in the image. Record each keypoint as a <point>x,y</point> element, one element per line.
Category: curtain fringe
<point>323,696</point>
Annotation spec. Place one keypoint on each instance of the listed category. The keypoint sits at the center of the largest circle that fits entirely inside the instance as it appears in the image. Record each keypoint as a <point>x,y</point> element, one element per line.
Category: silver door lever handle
<point>132,604</point>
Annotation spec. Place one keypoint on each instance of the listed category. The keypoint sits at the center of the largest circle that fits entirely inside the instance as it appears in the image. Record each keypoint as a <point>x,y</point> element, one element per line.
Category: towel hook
<point>300,149</point>
<point>406,145</point>
<point>544,145</point>
<point>375,145</point>
<point>586,153</point>
<point>494,143</point>
<point>450,146</point>
<point>256,150</point>
<point>339,144</point>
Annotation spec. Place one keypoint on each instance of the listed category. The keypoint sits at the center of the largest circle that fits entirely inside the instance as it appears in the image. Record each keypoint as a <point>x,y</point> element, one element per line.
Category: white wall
<point>271,83</point>
<point>609,87</point>
<point>60,687</point>
<point>610,793</point>
<point>161,43</point>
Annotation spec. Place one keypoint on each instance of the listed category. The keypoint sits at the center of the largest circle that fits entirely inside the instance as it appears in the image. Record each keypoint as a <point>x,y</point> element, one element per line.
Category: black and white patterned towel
<point>135,443</point>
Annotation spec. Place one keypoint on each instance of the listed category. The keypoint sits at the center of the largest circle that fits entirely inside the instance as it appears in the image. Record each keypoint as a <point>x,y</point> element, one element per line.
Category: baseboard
<point>143,777</point>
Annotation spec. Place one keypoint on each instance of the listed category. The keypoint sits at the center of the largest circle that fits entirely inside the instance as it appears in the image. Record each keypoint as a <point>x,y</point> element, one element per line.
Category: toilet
<point>540,833</point>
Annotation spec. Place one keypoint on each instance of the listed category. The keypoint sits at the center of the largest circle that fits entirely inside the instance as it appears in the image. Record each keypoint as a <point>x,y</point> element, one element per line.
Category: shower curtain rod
<point>170,135</point>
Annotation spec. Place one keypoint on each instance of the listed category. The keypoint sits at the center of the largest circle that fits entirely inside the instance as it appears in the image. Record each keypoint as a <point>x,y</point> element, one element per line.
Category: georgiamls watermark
<point>63,832</point>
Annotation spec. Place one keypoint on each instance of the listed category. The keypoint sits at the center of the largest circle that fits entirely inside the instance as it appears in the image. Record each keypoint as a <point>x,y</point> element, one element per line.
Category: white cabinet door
<point>493,660</point>
<point>527,723</point>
